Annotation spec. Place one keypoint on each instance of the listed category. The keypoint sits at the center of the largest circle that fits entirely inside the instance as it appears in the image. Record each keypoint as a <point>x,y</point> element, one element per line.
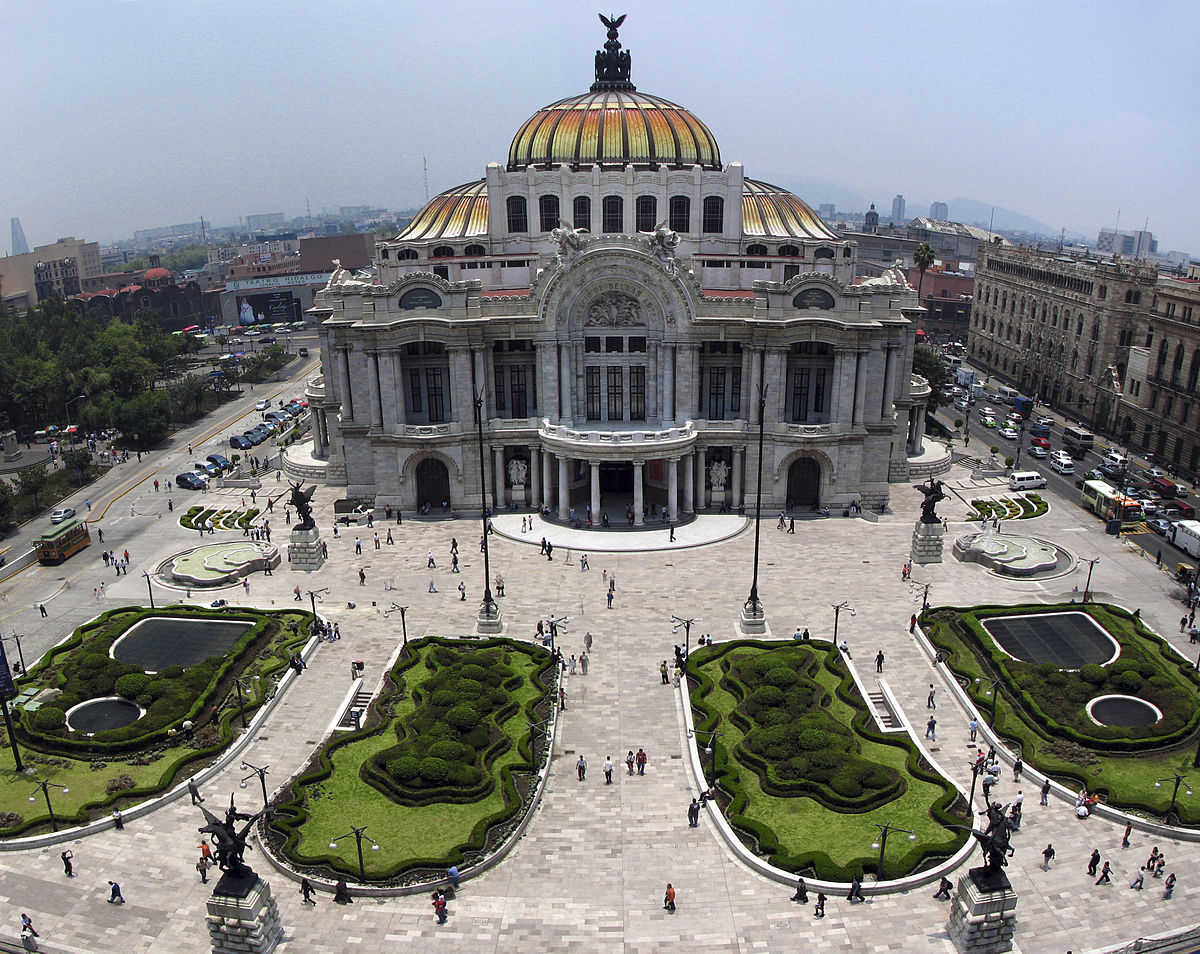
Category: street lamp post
<point>262,778</point>
<point>489,612</point>
<point>555,623</point>
<point>312,599</point>
<point>359,835</point>
<point>1178,780</point>
<point>885,830</point>
<point>404,627</point>
<point>924,594</point>
<point>977,769</point>
<point>79,397</point>
<point>753,617</point>
<point>45,788</point>
<point>20,654</point>
<point>1087,587</point>
<point>687,634</point>
<point>837,612</point>
<point>992,690</point>
<point>241,685</point>
<point>712,739</point>
<point>149,588</point>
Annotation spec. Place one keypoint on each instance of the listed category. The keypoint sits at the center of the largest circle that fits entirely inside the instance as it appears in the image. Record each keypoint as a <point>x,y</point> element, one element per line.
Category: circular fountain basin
<point>99,715</point>
<point>1012,554</point>
<point>1126,712</point>
<point>219,564</point>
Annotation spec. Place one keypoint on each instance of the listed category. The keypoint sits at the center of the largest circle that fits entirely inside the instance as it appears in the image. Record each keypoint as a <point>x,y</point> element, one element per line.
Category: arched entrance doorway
<point>804,483</point>
<point>433,483</point>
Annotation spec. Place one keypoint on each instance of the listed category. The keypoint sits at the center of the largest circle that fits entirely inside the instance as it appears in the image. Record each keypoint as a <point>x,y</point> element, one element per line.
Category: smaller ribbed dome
<point>772,212</point>
<point>456,213</point>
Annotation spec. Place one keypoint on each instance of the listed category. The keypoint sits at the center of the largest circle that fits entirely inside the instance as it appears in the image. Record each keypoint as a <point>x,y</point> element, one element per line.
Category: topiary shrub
<point>846,783</point>
<point>1092,674</point>
<point>767,696</point>
<point>144,699</point>
<point>462,717</point>
<point>1129,682</point>
<point>433,770</point>
<point>159,688</point>
<point>464,776</point>
<point>451,751</point>
<point>131,684</point>
<point>49,719</point>
<point>469,689</point>
<point>443,698</point>
<point>780,676</point>
<point>406,768</point>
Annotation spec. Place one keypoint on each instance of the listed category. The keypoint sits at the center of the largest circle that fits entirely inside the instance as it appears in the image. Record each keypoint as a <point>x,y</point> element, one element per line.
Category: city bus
<point>1108,503</point>
<point>61,541</point>
<point>1078,441</point>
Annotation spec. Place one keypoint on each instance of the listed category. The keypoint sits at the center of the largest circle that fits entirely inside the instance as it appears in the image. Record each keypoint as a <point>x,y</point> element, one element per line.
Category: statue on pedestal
<point>301,501</point>
<point>718,473</point>
<point>518,472</point>
<point>994,840</point>
<point>230,843</point>
<point>933,493</point>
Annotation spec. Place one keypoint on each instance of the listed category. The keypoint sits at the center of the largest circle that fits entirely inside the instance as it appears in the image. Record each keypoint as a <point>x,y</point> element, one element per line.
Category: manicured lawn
<point>798,832</point>
<point>1124,779</point>
<point>414,829</point>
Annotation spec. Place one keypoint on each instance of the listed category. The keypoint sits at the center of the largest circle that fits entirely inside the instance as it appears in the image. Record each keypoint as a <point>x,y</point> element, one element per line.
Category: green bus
<point>59,542</point>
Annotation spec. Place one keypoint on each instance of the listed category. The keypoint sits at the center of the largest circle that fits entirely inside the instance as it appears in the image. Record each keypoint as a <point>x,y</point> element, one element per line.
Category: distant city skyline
<point>1061,112</point>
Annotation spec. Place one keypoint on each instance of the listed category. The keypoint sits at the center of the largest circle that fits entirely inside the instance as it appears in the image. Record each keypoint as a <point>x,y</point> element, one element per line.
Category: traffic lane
<point>1152,543</point>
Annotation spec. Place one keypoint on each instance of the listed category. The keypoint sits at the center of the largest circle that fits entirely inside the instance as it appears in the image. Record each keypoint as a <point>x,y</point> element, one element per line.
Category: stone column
<point>755,383</point>
<point>535,477</point>
<point>860,386</point>
<point>318,440</point>
<point>564,488</point>
<point>836,411</point>
<point>668,383</point>
<point>699,503</point>
<point>595,491</point>
<point>343,365</point>
<point>498,477</point>
<point>373,388</point>
<point>639,495</point>
<point>689,482</point>
<point>566,383</point>
<point>747,373</point>
<point>694,405</point>
<point>739,461</point>
<point>889,384</point>
<point>547,481</point>
<point>399,398</point>
<point>479,382</point>
<point>672,488</point>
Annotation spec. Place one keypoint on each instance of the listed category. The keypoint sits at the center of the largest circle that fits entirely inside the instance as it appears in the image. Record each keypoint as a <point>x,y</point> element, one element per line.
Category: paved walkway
<point>590,873</point>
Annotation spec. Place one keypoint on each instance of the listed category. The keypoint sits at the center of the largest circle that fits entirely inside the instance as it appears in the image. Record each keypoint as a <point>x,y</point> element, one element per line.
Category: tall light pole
<point>1178,780</point>
<point>262,778</point>
<point>20,653</point>
<point>992,690</point>
<point>312,599</point>
<point>149,588</point>
<point>1087,587</point>
<point>881,844</point>
<point>924,595</point>
<point>45,788</point>
<point>837,612</point>
<point>79,397</point>
<point>753,617</point>
<point>404,627</point>
<point>687,634</point>
<point>489,613</point>
<point>359,835</point>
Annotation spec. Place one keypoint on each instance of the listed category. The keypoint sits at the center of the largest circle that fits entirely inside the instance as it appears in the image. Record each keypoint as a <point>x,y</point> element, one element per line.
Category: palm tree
<point>923,259</point>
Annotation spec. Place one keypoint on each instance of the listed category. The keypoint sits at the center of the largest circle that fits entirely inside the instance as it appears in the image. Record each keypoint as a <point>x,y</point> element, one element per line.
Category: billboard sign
<point>267,309</point>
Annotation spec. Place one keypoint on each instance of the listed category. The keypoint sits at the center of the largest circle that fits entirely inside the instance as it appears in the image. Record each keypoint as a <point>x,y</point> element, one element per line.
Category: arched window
<point>406,255</point>
<point>441,251</point>
<point>518,214</point>
<point>1193,370</point>
<point>680,214</point>
<point>613,209</point>
<point>790,250</point>
<point>646,212</point>
<point>714,214</point>
<point>823,253</point>
<point>756,249</point>
<point>846,252</point>
<point>474,250</point>
<point>581,212</point>
<point>547,212</point>
<point>1079,326</point>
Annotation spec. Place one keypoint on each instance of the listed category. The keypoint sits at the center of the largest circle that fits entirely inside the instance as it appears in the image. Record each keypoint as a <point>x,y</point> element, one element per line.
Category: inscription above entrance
<point>420,298</point>
<point>813,298</point>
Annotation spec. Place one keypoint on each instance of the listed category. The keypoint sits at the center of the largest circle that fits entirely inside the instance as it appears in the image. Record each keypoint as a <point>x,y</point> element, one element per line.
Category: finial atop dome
<point>612,63</point>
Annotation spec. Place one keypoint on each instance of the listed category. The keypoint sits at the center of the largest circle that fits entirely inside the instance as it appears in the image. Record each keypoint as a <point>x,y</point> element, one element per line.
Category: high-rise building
<point>826,210</point>
<point>67,267</point>
<point>898,210</point>
<point>604,295</point>
<point>1130,244</point>
<point>266,220</point>
<point>939,211</point>
<point>19,245</point>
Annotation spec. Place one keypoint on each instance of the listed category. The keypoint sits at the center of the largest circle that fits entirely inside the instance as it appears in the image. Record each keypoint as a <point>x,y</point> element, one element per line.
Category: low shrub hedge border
<point>820,662</point>
<point>413,674</point>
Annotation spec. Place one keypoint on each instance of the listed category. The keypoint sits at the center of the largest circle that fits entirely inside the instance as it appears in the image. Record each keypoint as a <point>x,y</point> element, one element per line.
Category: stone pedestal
<point>520,500</point>
<point>983,913</point>
<point>304,550</point>
<point>752,623</point>
<point>489,625</point>
<point>716,498</point>
<point>243,918</point>
<point>12,450</point>
<point>927,541</point>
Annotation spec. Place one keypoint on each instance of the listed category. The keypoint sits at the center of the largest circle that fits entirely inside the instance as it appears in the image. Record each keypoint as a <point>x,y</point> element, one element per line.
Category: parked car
<point>240,442</point>
<point>256,437</point>
<point>1045,421</point>
<point>61,514</point>
<point>262,405</point>
<point>1043,442</point>
<point>269,339</point>
<point>223,463</point>
<point>192,481</point>
<point>962,405</point>
<point>303,352</point>
<point>206,467</point>
<point>1155,474</point>
<point>1009,433</point>
<point>1159,525</point>
<point>1039,452</point>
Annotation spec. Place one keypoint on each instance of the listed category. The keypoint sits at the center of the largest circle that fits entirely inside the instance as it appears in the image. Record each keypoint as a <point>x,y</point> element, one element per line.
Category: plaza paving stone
<point>590,872</point>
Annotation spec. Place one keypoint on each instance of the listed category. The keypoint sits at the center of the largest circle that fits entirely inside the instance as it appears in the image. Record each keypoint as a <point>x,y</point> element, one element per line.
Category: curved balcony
<point>314,389</point>
<point>620,441</point>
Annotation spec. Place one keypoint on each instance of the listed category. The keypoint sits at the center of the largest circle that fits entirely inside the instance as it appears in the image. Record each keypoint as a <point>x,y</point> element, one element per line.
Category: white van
<point>1062,462</point>
<point>1115,460</point>
<point>1026,480</point>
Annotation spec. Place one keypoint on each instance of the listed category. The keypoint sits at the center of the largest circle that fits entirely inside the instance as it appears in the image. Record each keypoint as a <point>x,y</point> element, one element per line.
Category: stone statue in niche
<point>614,309</point>
<point>718,473</point>
<point>569,243</point>
<point>518,472</point>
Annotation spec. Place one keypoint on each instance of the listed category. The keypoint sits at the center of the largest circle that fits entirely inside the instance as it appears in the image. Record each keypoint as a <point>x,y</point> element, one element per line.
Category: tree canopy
<point>931,367</point>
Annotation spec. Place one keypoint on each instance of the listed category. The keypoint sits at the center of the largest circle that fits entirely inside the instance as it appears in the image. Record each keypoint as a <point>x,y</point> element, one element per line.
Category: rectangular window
<point>500,388</point>
<point>637,394</point>
<point>582,212</point>
<point>735,390</point>
<point>800,385</point>
<point>681,214</point>
<point>591,345</point>
<point>591,377</point>
<point>716,394</point>
<point>548,212</point>
<point>646,207</point>
<point>616,394</point>
<point>433,390</point>
<point>714,214</point>
<point>520,400</point>
<point>637,345</point>
<point>613,345</point>
<point>818,405</point>
<point>414,385</point>
<point>614,214</point>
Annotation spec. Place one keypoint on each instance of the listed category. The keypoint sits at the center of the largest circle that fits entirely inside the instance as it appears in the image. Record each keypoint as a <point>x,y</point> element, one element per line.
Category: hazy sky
<point>124,114</point>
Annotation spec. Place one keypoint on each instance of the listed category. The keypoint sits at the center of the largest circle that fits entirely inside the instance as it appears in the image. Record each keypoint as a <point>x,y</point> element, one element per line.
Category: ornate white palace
<point>616,299</point>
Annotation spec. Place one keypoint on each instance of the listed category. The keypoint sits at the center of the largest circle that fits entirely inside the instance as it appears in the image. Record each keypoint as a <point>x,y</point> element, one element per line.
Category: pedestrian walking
<point>912,623</point>
<point>27,925</point>
<point>296,595</point>
<point>390,542</point>
<point>194,791</point>
<point>608,769</point>
<point>377,540</point>
<point>1125,837</point>
<point>662,670</point>
<point>819,910</point>
<point>68,868</point>
<point>1093,862</point>
<point>42,610</point>
<point>432,588</point>
<point>306,889</point>
<point>430,564</point>
<point>974,726</point>
<point>357,546</point>
<point>801,894</point>
<point>1018,765</point>
<point>610,599</point>
<point>931,729</point>
<point>943,891</point>
<point>583,563</point>
<point>929,701</point>
<point>629,761</point>
<point>1105,874</point>
<point>641,758</point>
<point>562,699</point>
<point>439,906</point>
<point>202,867</point>
<point>672,540</point>
<point>462,592</point>
<point>855,891</point>
<point>1047,856</point>
<point>1169,886</point>
<point>581,767</point>
<point>693,814</point>
<point>1139,879</point>
<point>114,895</point>
<point>571,664</point>
<point>879,662</point>
<point>454,876</point>
<point>669,899</point>
<point>1046,792</point>
<point>454,564</point>
<point>362,577</point>
<point>587,642</point>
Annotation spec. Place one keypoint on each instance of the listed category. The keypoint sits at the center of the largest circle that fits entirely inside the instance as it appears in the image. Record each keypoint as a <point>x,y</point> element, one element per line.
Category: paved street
<point>590,873</point>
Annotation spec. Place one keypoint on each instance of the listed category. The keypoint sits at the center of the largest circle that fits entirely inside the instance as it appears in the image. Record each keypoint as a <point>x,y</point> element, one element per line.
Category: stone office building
<point>615,296</point>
